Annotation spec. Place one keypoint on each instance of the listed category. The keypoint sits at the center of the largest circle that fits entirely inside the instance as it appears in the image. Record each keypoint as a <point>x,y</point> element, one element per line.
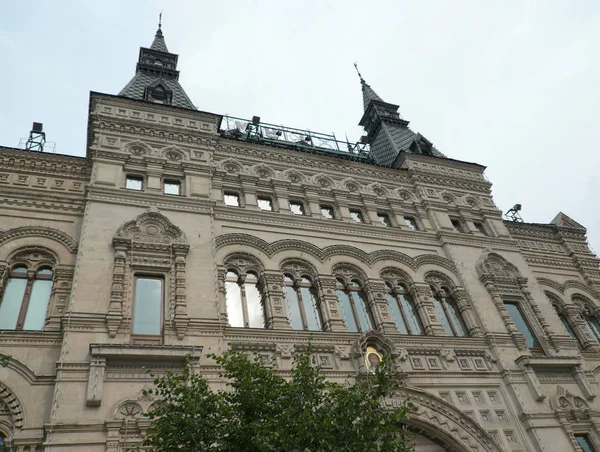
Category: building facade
<point>184,233</point>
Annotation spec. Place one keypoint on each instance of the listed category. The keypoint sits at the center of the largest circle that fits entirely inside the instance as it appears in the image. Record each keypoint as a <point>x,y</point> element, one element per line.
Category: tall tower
<point>388,134</point>
<point>156,76</point>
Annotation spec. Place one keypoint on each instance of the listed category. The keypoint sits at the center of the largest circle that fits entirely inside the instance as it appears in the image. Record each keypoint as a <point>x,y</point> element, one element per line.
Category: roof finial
<point>362,80</point>
<point>160,20</point>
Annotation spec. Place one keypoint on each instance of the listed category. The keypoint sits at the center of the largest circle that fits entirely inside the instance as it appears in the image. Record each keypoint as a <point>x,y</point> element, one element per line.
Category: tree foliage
<point>259,410</point>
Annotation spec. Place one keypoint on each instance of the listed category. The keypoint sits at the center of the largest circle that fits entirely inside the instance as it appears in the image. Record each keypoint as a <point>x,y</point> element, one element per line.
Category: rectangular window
<point>479,226</point>
<point>519,320</point>
<point>134,183</point>
<point>147,312</point>
<point>231,199</point>
<point>172,187</point>
<point>297,208</point>
<point>357,215</point>
<point>456,225</point>
<point>411,223</point>
<point>384,219</point>
<point>585,443</point>
<point>327,212</point>
<point>265,203</point>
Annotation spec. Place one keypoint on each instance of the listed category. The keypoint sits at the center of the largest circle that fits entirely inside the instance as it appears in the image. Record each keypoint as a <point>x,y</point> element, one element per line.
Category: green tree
<point>261,411</point>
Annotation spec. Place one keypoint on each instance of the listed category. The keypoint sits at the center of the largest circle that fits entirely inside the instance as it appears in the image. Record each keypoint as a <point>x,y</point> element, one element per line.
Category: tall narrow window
<point>585,443</point>
<point>301,301</point>
<point>244,300</point>
<point>384,219</point>
<point>456,225</point>
<point>327,211</point>
<point>264,203</point>
<point>448,314</point>
<point>480,227</point>
<point>403,310</point>
<point>134,183</point>
<point>2,443</point>
<point>411,223</point>
<point>514,310</point>
<point>147,312</point>
<point>593,326</point>
<point>354,306</point>
<point>25,302</point>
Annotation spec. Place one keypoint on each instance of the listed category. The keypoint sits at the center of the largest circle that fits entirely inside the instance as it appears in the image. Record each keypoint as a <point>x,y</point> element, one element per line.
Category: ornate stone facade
<point>466,363</point>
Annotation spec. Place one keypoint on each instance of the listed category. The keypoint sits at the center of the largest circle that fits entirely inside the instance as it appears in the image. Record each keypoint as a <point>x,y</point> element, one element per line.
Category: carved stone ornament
<point>149,241</point>
<point>569,407</point>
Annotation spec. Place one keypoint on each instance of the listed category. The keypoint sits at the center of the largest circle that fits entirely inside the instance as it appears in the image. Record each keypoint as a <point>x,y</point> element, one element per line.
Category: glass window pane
<point>309,300</point>
<point>233,300</point>
<point>455,317</point>
<point>567,326</point>
<point>11,303</point>
<point>134,183</point>
<point>327,212</point>
<point>585,443</point>
<point>256,318</point>
<point>147,310</point>
<point>411,223</point>
<point>360,301</point>
<point>456,225</point>
<point>346,311</point>
<point>412,317</point>
<point>265,204</point>
<point>20,270</point>
<point>45,272</point>
<point>591,330</point>
<point>384,219</point>
<point>356,215</point>
<point>172,187</point>
<point>297,208</point>
<point>442,317</point>
<point>38,305</point>
<point>293,308</point>
<point>396,314</point>
<point>231,199</point>
<point>595,326</point>
<point>521,324</point>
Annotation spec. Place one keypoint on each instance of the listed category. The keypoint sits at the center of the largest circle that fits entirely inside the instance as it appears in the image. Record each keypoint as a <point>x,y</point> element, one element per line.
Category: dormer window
<point>158,63</point>
<point>158,93</point>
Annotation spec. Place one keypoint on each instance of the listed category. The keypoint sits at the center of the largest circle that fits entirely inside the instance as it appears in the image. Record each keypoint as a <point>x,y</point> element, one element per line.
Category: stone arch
<point>377,189</point>
<point>351,185</point>
<point>173,154</point>
<point>151,227</point>
<point>439,419</point>
<point>323,181</point>
<point>492,265</point>
<point>231,166</point>
<point>448,197</point>
<point>294,176</point>
<point>14,405</point>
<point>138,148</point>
<point>33,257</point>
<point>440,280</point>
<point>348,271</point>
<point>298,267</point>
<point>395,274</point>
<point>40,231</point>
<point>243,263</point>
<point>404,195</point>
<point>472,202</point>
<point>263,171</point>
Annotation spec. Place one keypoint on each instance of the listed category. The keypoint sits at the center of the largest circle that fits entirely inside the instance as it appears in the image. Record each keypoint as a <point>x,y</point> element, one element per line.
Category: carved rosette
<point>149,243</point>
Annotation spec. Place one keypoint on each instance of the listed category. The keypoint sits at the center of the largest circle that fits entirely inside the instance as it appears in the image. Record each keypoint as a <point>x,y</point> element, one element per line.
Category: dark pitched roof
<point>135,89</point>
<point>566,221</point>
<point>368,94</point>
<point>159,42</point>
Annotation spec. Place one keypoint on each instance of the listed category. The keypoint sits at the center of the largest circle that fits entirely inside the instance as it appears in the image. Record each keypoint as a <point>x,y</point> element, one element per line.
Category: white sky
<point>512,85</point>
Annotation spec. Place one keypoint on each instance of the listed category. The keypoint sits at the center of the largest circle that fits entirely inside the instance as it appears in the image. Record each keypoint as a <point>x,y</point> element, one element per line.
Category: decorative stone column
<point>59,299</point>
<point>115,308</point>
<point>379,306</point>
<point>423,298</point>
<point>575,319</point>
<point>180,319</point>
<point>466,311</point>
<point>330,309</point>
<point>271,282</point>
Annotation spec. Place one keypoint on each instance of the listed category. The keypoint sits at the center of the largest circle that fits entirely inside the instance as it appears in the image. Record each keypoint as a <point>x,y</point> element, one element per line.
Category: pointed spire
<point>368,93</point>
<point>159,40</point>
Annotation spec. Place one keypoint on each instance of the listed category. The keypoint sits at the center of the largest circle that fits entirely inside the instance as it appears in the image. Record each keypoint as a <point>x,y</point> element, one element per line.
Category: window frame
<point>267,198</point>
<point>459,226</point>
<point>235,194</point>
<point>537,347</point>
<point>482,229</point>
<point>442,296</point>
<point>299,203</point>
<point>360,213</point>
<point>394,292</point>
<point>135,177</point>
<point>588,440</point>
<point>148,338</point>
<point>330,207</point>
<point>345,287</point>
<point>407,219</point>
<point>172,181</point>
<point>241,281</point>
<point>31,275</point>
<point>386,217</point>
<point>296,285</point>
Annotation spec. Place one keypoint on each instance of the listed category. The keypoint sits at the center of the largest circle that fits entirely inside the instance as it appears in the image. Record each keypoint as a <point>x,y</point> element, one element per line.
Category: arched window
<point>448,313</point>
<point>2,443</point>
<point>26,297</point>
<point>403,309</point>
<point>354,306</point>
<point>588,314</point>
<point>557,305</point>
<point>301,301</point>
<point>244,300</point>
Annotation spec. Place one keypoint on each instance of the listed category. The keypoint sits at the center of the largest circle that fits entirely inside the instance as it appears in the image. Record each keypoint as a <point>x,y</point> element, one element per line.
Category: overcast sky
<point>513,85</point>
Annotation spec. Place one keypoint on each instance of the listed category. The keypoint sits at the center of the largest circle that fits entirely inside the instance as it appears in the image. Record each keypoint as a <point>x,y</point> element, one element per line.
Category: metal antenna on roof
<point>362,80</point>
<point>160,20</point>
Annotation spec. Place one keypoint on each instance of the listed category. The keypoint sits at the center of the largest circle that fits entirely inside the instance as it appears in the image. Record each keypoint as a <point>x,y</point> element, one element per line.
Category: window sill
<point>140,352</point>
